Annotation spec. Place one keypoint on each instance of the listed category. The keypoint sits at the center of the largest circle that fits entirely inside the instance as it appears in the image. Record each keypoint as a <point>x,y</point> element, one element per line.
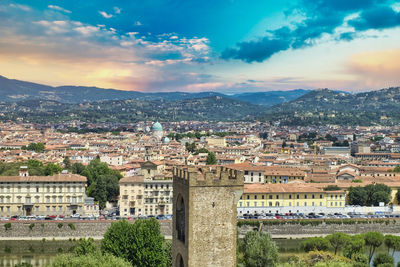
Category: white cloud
<point>117,10</point>
<point>138,23</point>
<point>58,8</point>
<point>87,30</point>
<point>105,15</point>
<point>22,7</point>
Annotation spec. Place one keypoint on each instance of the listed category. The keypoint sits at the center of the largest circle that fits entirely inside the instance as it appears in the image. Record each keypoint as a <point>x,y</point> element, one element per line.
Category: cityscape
<point>200,133</point>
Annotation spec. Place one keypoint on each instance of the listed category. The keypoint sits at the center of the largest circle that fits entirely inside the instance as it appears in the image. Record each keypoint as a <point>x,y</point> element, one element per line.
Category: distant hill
<point>270,98</point>
<point>325,106</point>
<point>213,108</point>
<point>15,90</point>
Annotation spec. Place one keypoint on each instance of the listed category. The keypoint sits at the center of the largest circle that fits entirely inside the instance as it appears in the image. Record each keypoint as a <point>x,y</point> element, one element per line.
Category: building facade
<point>24,195</point>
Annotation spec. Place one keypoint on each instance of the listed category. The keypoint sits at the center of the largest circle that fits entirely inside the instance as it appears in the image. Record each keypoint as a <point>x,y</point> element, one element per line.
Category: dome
<point>156,127</point>
<point>166,140</point>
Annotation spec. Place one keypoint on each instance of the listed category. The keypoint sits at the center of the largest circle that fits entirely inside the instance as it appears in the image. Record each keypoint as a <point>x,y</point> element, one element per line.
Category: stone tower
<point>204,221</point>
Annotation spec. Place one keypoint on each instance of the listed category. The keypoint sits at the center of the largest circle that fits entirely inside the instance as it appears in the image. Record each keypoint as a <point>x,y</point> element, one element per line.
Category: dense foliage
<point>102,181</point>
<point>258,249</point>
<point>35,168</point>
<point>370,195</point>
<point>140,243</point>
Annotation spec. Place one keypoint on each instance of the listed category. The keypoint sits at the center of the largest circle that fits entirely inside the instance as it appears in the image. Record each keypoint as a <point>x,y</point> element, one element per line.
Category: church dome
<point>166,140</point>
<point>156,127</point>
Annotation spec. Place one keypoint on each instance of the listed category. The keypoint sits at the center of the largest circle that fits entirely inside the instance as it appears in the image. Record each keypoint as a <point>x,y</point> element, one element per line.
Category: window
<point>37,189</point>
<point>290,196</point>
<point>248,196</point>
<point>263,196</point>
<point>270,196</point>
<point>305,196</point>
<point>255,196</point>
<point>313,196</point>
<point>277,196</point>
<point>320,196</point>
<point>305,204</point>
<point>255,203</point>
<point>320,203</point>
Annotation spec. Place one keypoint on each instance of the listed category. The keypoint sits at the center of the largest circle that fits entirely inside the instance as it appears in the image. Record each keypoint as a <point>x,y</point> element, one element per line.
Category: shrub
<point>31,226</point>
<point>315,243</point>
<point>60,225</point>
<point>89,260</point>
<point>259,250</point>
<point>382,258</point>
<point>7,226</point>
<point>140,243</point>
<point>72,226</point>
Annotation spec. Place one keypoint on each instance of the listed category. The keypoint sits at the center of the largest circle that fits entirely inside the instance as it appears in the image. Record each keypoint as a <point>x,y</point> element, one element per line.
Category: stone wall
<point>300,231</point>
<point>96,229</point>
<point>50,229</point>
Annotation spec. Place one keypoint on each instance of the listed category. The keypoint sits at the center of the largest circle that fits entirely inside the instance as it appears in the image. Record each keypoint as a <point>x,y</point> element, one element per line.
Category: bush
<point>72,226</point>
<point>89,260</point>
<point>140,243</point>
<point>259,250</point>
<point>382,258</point>
<point>315,243</point>
<point>7,226</point>
<point>60,225</point>
<point>85,247</point>
<point>31,226</point>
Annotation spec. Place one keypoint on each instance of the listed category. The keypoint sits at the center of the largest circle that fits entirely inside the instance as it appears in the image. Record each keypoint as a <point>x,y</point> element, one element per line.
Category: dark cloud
<point>382,17</point>
<point>320,17</point>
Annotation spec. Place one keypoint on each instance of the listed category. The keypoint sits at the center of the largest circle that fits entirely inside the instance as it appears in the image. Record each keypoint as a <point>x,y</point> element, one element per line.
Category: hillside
<point>15,90</point>
<point>214,108</point>
<point>270,98</point>
<point>326,106</point>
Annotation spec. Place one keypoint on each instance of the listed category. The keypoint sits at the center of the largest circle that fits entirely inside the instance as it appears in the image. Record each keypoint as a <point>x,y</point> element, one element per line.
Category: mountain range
<point>32,102</point>
<point>15,90</point>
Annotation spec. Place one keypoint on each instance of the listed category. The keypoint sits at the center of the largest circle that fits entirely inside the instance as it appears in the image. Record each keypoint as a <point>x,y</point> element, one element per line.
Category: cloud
<point>319,18</point>
<point>137,23</point>
<point>21,7</point>
<point>117,10</point>
<point>105,15</point>
<point>376,68</point>
<point>58,8</point>
<point>378,18</point>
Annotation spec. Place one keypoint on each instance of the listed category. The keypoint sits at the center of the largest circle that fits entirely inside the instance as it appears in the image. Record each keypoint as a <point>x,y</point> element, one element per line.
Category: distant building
<point>60,194</point>
<point>157,131</point>
<point>336,151</point>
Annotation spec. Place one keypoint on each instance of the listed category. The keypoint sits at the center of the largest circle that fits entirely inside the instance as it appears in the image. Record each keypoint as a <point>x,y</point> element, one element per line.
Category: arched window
<point>179,261</point>
<point>180,219</point>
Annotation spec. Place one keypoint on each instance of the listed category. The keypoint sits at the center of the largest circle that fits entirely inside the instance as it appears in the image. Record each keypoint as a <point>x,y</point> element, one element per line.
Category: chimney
<point>23,171</point>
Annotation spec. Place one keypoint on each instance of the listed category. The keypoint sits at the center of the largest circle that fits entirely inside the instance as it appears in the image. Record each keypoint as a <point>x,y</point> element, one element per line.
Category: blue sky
<point>220,45</point>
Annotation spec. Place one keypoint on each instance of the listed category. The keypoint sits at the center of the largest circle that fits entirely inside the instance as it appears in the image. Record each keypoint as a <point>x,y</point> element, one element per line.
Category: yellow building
<point>287,198</point>
<point>216,141</point>
<point>61,194</point>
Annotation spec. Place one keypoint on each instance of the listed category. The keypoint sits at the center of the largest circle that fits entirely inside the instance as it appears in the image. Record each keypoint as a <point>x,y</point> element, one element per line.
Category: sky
<point>195,45</point>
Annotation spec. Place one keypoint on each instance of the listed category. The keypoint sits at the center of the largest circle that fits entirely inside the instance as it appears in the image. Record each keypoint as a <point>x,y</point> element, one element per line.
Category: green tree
<point>191,147</point>
<point>382,258</point>
<point>211,159</point>
<point>315,243</point>
<point>338,240</point>
<point>140,243</point>
<point>89,260</point>
<point>390,242</point>
<point>259,250</point>
<point>354,247</point>
<point>67,163</point>
<point>357,196</point>
<point>77,168</point>
<point>377,193</point>
<point>85,246</point>
<point>373,240</point>
<point>102,181</point>
<point>37,147</point>
<point>51,169</point>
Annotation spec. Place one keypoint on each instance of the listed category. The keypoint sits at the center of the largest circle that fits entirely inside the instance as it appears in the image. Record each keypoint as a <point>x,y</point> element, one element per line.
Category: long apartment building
<point>289,198</point>
<point>61,194</point>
